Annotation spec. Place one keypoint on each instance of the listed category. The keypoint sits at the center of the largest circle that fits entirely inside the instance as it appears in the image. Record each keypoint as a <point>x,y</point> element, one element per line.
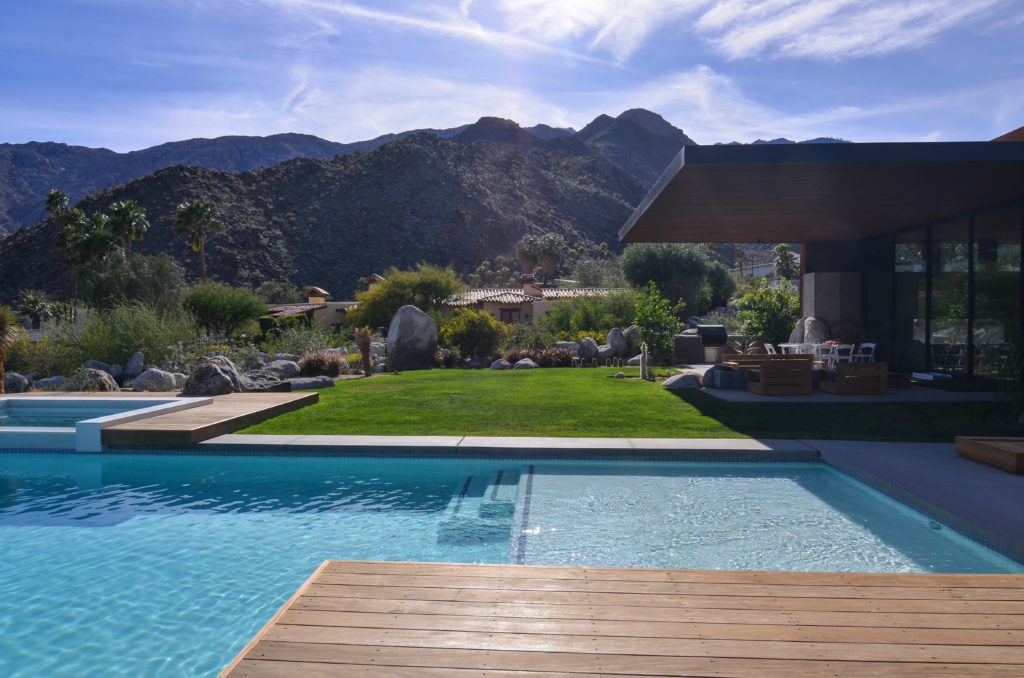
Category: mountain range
<point>453,196</point>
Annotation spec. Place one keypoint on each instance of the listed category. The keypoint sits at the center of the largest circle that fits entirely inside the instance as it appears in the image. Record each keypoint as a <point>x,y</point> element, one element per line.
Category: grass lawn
<point>589,403</point>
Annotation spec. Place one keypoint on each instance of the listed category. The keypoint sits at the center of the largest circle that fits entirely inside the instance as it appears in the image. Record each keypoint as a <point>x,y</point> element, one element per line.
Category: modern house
<point>524,304</point>
<point>916,246</point>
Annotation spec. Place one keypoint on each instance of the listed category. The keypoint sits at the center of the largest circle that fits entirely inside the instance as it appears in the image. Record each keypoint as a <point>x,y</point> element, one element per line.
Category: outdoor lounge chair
<point>781,375</point>
<point>1004,453</point>
<point>856,379</point>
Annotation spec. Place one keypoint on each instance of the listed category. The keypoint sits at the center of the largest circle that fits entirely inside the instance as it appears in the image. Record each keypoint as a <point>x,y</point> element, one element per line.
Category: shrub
<point>85,380</point>
<point>683,272</point>
<point>474,333</point>
<point>770,311</point>
<point>425,287</point>
<point>303,339</point>
<point>223,309</point>
<point>657,320</point>
<point>56,353</point>
<point>112,336</point>
<point>591,313</point>
<point>279,292</point>
<point>323,363</point>
<point>555,357</point>
<point>517,354</point>
<point>530,336</point>
<point>154,281</point>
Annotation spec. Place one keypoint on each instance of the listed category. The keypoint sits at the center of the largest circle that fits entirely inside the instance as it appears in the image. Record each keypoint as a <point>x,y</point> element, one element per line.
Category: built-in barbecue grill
<point>712,335</point>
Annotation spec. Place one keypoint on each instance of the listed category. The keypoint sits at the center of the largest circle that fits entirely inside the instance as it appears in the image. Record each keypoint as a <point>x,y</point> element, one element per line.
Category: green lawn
<point>585,403</point>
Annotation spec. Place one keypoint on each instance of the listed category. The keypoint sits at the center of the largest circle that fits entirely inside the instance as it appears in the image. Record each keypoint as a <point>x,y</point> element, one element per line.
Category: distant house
<point>524,304</point>
<point>318,311</point>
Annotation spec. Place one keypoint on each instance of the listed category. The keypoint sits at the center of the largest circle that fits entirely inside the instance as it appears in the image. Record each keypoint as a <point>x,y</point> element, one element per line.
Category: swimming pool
<point>135,564</point>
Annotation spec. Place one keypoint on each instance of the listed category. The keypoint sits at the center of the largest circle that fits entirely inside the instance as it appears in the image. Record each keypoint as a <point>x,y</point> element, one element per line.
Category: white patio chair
<point>826,354</point>
<point>769,349</point>
<point>865,353</point>
<point>844,353</point>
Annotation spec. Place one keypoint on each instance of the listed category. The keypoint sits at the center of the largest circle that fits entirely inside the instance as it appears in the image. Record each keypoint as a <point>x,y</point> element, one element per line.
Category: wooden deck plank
<point>422,619</point>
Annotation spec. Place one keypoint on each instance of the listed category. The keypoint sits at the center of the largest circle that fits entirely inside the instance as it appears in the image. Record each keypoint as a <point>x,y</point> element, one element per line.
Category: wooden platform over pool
<point>511,621</point>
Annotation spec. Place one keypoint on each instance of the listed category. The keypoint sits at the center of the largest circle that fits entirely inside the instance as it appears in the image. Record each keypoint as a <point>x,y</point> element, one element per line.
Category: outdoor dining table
<point>797,348</point>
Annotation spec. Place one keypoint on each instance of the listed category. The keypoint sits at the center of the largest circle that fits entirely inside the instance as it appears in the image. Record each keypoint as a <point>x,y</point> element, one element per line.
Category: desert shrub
<point>530,336</point>
<point>657,320</point>
<point>579,335</point>
<point>323,364</point>
<point>279,292</point>
<point>223,309</point>
<point>589,313</point>
<point>727,317</point>
<point>770,311</point>
<point>58,352</point>
<point>156,281</point>
<point>516,354</point>
<point>112,336</point>
<point>425,287</point>
<point>474,333</point>
<point>303,339</point>
<point>555,357</point>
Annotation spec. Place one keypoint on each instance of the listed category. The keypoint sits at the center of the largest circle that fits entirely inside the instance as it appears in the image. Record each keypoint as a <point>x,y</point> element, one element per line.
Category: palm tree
<point>57,207</point>
<point>128,222</point>
<point>37,305</point>
<point>196,221</point>
<point>10,331</point>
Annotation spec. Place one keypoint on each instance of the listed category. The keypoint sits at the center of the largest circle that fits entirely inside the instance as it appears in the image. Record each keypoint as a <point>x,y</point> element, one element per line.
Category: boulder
<point>377,348</point>
<point>816,331</point>
<point>688,379</point>
<point>478,363</point>
<point>620,375</point>
<point>311,383</point>
<point>379,368</point>
<point>632,335</point>
<point>154,380</point>
<point>87,379</point>
<point>634,361</point>
<point>213,376</point>
<point>15,383</point>
<point>179,380</point>
<point>797,335</point>
<point>525,364</point>
<point>588,349</point>
<point>282,369</point>
<point>117,372</point>
<point>412,340</point>
<point>617,342</point>
<point>340,350</point>
<point>136,365</point>
<point>604,351</point>
<point>95,365</point>
<point>49,384</point>
<point>255,382</point>
<point>501,364</point>
<point>567,345</point>
<point>265,357</point>
<point>291,357</point>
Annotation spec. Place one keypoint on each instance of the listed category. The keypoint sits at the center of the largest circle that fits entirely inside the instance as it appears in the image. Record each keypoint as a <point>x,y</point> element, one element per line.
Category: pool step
<point>481,511</point>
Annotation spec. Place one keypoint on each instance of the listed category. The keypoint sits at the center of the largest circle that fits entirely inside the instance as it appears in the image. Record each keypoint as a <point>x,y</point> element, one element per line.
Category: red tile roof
<point>514,295</point>
<point>283,310</point>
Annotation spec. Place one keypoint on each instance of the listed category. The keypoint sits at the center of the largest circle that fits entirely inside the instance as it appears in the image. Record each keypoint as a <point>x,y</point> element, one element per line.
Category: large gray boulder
<point>617,342</point>
<point>154,380</point>
<point>412,340</point>
<point>311,383</point>
<point>604,351</point>
<point>816,331</point>
<point>634,361</point>
<point>282,369</point>
<point>87,379</point>
<point>377,349</point>
<point>136,365</point>
<point>95,365</point>
<point>797,335</point>
<point>588,349</point>
<point>525,364</point>
<point>213,376</point>
<point>179,380</point>
<point>632,336</point>
<point>117,372</point>
<point>478,363</point>
<point>686,380</point>
<point>15,383</point>
<point>285,356</point>
<point>49,384</point>
<point>568,345</point>
<point>501,364</point>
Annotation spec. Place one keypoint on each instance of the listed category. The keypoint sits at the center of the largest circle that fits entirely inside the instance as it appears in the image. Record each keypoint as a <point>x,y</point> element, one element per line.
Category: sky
<point>127,74</point>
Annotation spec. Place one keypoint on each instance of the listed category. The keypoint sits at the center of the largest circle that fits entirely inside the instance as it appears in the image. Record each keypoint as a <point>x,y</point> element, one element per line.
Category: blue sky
<point>126,74</point>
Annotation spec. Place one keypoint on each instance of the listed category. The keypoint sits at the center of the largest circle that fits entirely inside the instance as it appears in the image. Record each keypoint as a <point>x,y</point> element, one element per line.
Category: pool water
<point>54,416</point>
<point>167,564</point>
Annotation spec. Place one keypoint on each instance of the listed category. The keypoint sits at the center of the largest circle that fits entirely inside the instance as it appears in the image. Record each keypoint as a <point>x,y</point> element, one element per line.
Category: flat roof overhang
<point>821,192</point>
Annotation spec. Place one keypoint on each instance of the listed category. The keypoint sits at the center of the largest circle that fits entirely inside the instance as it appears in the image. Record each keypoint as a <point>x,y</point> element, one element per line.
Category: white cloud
<point>830,29</point>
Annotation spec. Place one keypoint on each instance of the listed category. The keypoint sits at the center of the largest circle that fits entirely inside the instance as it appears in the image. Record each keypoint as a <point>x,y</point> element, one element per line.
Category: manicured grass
<point>589,403</point>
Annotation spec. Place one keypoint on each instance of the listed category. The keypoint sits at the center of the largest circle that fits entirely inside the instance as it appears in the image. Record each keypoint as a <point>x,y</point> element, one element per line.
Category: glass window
<point>996,255</point>
<point>909,297</point>
<point>949,296</point>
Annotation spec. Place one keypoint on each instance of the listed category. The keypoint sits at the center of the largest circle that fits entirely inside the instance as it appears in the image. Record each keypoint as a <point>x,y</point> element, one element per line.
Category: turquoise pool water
<point>14,413</point>
<point>165,565</point>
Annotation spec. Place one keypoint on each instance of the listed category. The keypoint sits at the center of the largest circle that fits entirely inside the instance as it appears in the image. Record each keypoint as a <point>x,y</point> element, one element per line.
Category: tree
<point>657,320</point>
<point>223,309</point>
<point>785,262</point>
<point>37,305</point>
<point>86,240</point>
<point>425,287</point>
<point>550,251</point>
<point>196,221</point>
<point>528,252</point>
<point>127,222</point>
<point>475,333</point>
<point>10,332</point>
<point>156,281</point>
<point>56,206</point>
<point>364,337</point>
<point>770,311</point>
<point>682,272</point>
<point>279,292</point>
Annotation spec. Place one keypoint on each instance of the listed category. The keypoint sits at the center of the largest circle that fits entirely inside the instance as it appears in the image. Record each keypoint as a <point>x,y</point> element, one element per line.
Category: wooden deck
<point>226,414</point>
<point>501,621</point>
